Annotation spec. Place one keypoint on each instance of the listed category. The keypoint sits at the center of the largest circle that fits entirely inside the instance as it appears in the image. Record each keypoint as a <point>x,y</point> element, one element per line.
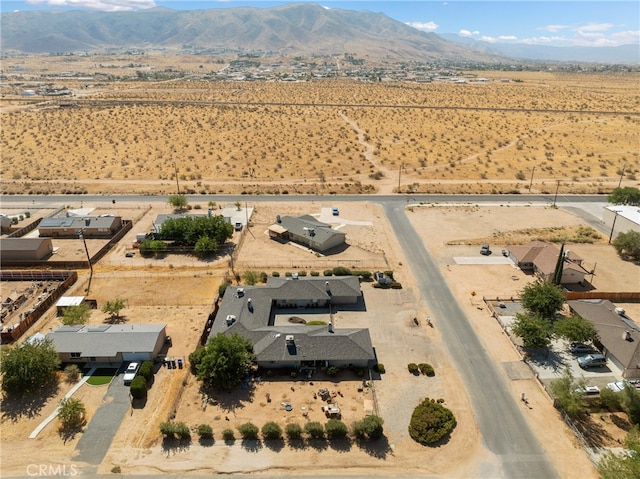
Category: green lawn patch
<point>102,376</point>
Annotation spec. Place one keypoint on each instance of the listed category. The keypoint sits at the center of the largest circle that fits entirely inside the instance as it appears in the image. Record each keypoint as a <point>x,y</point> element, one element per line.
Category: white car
<point>617,386</point>
<point>588,390</point>
<point>130,372</point>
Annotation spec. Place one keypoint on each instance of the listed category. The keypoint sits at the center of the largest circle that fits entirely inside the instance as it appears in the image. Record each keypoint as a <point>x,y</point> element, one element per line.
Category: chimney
<point>626,335</point>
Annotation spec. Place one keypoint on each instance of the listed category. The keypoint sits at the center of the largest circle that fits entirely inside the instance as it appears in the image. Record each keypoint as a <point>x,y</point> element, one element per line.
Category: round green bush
<point>332,371</point>
<point>138,387</point>
<point>379,368</point>
<point>430,422</point>
<point>205,431</point>
<point>426,369</point>
<point>328,272</point>
<point>248,431</point>
<point>336,429</point>
<point>271,430</point>
<point>314,429</point>
<point>369,427</point>
<point>293,431</point>
<point>228,435</point>
<point>315,273</point>
<point>413,368</point>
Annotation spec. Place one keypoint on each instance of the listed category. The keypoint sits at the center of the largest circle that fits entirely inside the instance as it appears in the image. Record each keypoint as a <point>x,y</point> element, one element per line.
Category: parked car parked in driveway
<point>484,250</point>
<point>617,386</point>
<point>579,348</point>
<point>592,361</point>
<point>130,373</point>
<point>588,390</point>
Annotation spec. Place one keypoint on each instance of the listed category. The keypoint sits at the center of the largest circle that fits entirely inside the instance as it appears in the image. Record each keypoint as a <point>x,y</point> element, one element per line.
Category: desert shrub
<point>314,429</point>
<point>71,373</point>
<point>275,274</point>
<point>263,277</point>
<point>27,214</point>
<point>182,430</point>
<point>430,422</point>
<point>222,288</point>
<point>332,371</point>
<point>138,387</point>
<point>248,431</point>
<point>362,274</point>
<point>271,430</point>
<point>166,429</point>
<point>288,274</point>
<point>341,271</point>
<point>250,277</point>
<point>336,429</point>
<point>413,368</point>
<point>205,431</point>
<point>369,427</point>
<point>379,368</point>
<point>426,369</point>
<point>316,322</point>
<point>293,431</point>
<point>314,273</point>
<point>328,272</point>
<point>395,285</point>
<point>359,372</point>
<point>389,274</point>
<point>228,435</point>
<point>302,273</point>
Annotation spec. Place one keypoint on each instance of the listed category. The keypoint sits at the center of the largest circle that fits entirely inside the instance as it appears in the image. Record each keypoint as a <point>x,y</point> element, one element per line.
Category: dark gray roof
<point>106,340</point>
<point>307,225</point>
<point>22,244</point>
<point>611,328</point>
<point>315,342</point>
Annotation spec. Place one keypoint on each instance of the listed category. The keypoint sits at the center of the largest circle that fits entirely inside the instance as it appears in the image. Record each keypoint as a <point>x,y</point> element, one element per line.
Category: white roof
<point>70,301</point>
<point>632,213</point>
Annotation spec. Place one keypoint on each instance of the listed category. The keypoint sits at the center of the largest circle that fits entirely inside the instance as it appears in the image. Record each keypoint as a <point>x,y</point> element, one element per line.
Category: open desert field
<point>323,136</point>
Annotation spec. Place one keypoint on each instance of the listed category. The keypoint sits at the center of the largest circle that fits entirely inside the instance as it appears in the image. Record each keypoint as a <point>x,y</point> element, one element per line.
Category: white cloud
<point>424,26</point>
<point>100,5</point>
<point>554,28</point>
<point>468,33</point>
<point>507,38</point>
<point>485,38</point>
<point>595,27</point>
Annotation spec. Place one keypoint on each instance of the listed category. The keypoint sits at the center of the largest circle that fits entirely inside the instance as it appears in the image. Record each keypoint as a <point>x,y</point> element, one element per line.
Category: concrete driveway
<point>97,437</point>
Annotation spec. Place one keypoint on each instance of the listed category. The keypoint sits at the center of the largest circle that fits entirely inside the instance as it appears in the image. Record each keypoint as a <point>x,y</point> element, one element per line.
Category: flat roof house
<point>250,312</point>
<point>618,335</point>
<point>108,343</point>
<point>308,231</point>
<point>71,227</point>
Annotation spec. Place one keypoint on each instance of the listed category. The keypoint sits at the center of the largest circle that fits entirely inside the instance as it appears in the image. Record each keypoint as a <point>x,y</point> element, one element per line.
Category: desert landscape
<point>495,133</point>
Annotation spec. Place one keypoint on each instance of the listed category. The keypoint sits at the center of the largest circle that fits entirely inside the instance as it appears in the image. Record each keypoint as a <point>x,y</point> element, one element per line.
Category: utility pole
<point>399,174</point>
<point>613,226</point>
<point>531,182</point>
<point>621,175</point>
<point>176,170</point>
<point>556,196</point>
<point>88,259</point>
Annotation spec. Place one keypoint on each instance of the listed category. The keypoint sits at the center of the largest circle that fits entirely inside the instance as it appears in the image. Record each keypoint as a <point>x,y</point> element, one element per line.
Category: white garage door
<point>136,356</point>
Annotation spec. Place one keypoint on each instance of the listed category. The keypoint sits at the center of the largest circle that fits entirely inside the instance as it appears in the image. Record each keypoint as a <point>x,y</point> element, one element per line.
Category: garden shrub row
<point>423,368</point>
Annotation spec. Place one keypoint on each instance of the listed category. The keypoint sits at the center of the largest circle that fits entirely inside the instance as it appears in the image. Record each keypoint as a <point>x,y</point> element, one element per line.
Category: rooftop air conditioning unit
<point>230,319</point>
<point>289,339</point>
<point>240,292</point>
<point>619,311</point>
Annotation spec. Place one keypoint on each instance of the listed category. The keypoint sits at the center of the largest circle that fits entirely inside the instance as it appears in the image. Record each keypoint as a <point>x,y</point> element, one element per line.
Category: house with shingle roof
<point>103,226</point>
<point>541,259</point>
<point>108,343</point>
<point>618,334</point>
<point>308,231</point>
<point>251,312</point>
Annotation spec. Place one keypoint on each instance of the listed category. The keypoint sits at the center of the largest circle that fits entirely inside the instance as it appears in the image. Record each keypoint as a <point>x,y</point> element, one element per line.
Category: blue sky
<point>555,23</point>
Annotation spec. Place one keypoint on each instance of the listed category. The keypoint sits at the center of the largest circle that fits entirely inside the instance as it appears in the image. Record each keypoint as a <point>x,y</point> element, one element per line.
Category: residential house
<point>103,226</point>
<point>542,258</point>
<point>251,312</point>
<point>618,334</point>
<point>308,231</point>
<point>108,343</point>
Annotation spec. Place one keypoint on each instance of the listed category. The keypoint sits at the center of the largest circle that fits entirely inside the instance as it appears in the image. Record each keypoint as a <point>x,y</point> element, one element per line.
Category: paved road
<point>504,430</point>
<point>97,437</point>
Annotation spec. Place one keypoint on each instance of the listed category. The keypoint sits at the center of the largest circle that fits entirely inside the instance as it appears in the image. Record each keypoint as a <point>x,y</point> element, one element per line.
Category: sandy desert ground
<point>330,136</point>
<point>187,292</point>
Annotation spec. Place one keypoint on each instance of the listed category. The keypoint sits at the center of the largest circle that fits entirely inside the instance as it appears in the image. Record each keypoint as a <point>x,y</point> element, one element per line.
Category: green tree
<point>565,389</point>
<point>113,308</point>
<point>71,414</point>
<point>631,403</point>
<point>336,429</point>
<point>625,196</point>
<point>557,273</point>
<point>430,422</point>
<point>138,387</point>
<point>628,244</point>
<point>205,431</point>
<point>248,431</point>
<point>575,329</point>
<point>190,229</point>
<point>224,361</point>
<point>76,314</point>
<point>534,331</point>
<point>205,247</point>
<point>625,465</point>
<point>370,427</point>
<point>179,202</point>
<point>149,247</point>
<point>542,298</point>
<point>271,430</point>
<point>28,367</point>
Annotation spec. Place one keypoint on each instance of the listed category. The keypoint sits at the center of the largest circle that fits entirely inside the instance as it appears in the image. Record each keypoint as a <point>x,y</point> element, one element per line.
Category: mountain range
<point>289,30</point>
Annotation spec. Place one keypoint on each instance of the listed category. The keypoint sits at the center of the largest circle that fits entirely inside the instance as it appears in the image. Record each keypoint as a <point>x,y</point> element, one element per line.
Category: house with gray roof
<point>251,311</point>
<point>108,343</point>
<point>541,259</point>
<point>103,226</point>
<point>308,231</point>
<point>25,249</point>
<point>618,334</point>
